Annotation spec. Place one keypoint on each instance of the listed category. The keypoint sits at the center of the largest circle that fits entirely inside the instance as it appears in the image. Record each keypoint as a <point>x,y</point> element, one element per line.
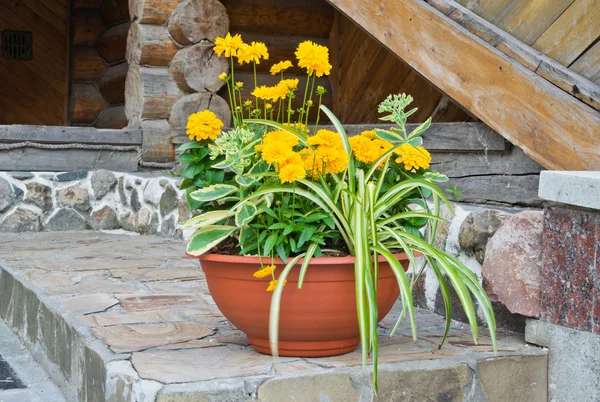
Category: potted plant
<point>337,219</point>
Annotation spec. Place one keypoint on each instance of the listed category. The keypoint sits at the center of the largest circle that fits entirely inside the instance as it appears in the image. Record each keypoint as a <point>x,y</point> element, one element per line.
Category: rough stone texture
<point>127,222</point>
<point>168,201</point>
<point>74,197</point>
<point>66,219</point>
<point>477,229</point>
<point>512,266</point>
<point>21,220</point>
<point>21,175</point>
<point>219,366</point>
<point>527,376</point>
<point>135,201</point>
<point>104,219</point>
<point>168,227</point>
<point>570,268</point>
<point>71,176</point>
<point>575,188</point>
<point>103,182</point>
<point>122,194</point>
<point>153,192</point>
<point>573,361</point>
<point>183,209</point>
<point>7,195</point>
<point>39,195</point>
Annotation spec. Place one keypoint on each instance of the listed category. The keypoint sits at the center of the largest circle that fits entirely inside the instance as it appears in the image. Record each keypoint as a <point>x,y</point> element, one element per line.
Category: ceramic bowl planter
<point>318,320</point>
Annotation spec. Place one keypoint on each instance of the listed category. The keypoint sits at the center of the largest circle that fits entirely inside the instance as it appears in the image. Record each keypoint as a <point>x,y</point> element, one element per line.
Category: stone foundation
<point>100,200</point>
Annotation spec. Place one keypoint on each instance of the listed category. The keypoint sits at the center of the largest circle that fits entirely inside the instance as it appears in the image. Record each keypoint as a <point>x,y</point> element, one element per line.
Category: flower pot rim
<point>278,261</point>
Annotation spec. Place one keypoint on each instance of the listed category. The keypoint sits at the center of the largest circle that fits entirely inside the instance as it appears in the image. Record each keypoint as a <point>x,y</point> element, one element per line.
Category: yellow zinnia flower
<point>273,285</point>
<point>291,172</point>
<point>203,125</point>
<point>280,67</point>
<point>312,164</point>
<point>413,157</point>
<point>228,45</point>
<point>263,272</point>
<point>252,53</point>
<point>330,151</point>
<point>290,84</point>
<point>281,137</point>
<point>275,153</point>
<point>369,134</point>
<point>313,57</point>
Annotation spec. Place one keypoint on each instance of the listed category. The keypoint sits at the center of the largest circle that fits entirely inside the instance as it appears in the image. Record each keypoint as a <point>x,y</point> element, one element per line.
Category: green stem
<point>289,111</point>
<point>254,63</point>
<point>231,98</point>
<point>233,83</point>
<point>318,112</point>
<point>304,100</point>
<point>312,88</point>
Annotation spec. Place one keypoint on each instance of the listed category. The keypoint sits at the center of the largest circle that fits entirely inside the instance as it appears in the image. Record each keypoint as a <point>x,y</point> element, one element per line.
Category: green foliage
<point>454,193</point>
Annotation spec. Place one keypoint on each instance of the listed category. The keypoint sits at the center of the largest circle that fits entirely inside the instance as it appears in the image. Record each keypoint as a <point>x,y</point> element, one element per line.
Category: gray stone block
<point>7,195</point>
<point>514,378</point>
<point>102,182</point>
<point>575,188</point>
<point>39,195</point>
<point>74,197</point>
<point>104,219</point>
<point>66,219</point>
<point>168,201</point>
<point>21,220</point>
<point>71,176</point>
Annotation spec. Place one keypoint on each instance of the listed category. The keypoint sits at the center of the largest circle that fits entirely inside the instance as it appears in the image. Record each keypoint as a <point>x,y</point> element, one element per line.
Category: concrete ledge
<point>577,188</point>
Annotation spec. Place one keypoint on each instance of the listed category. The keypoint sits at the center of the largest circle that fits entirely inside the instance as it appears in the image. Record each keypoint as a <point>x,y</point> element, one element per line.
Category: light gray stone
<point>512,266</point>
<point>21,220</point>
<point>514,378</point>
<point>168,201</point>
<point>183,209</point>
<point>127,222</point>
<point>21,175</point>
<point>104,219</point>
<point>39,195</point>
<point>476,230</point>
<point>573,361</point>
<point>71,176</point>
<point>135,201</point>
<point>330,387</point>
<point>167,228</point>
<point>571,187</point>
<point>66,219</point>
<point>122,192</point>
<point>153,192</point>
<point>102,182</point>
<point>146,221</point>
<point>74,197</point>
<point>7,195</point>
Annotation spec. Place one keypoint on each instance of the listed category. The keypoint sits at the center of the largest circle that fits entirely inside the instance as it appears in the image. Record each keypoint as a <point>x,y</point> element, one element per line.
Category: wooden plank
<point>509,190</point>
<point>544,66</point>
<point>552,127</point>
<point>571,34</point>
<point>66,135</point>
<point>31,159</point>
<point>588,65</point>
<point>440,137</point>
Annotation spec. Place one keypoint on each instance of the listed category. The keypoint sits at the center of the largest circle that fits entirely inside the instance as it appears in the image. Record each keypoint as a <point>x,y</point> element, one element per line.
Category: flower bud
<point>223,77</point>
<point>268,106</point>
<point>309,103</point>
<point>320,90</point>
<point>239,85</point>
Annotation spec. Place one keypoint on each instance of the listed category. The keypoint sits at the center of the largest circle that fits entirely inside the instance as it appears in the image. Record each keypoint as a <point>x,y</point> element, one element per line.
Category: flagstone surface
<point>143,314</point>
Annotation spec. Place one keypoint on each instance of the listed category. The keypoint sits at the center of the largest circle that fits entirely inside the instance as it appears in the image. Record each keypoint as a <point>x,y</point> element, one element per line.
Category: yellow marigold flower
<point>291,84</point>
<point>273,152</point>
<point>326,137</point>
<point>239,85</point>
<point>263,272</point>
<point>413,157</point>
<point>268,106</point>
<point>228,45</point>
<point>312,164</point>
<point>335,158</point>
<point>280,67</point>
<point>281,137</point>
<point>361,148</point>
<point>292,172</point>
<point>313,57</point>
<point>273,94</point>
<point>204,125</point>
<point>223,77</point>
<point>369,134</point>
<point>273,285</point>
<point>252,53</point>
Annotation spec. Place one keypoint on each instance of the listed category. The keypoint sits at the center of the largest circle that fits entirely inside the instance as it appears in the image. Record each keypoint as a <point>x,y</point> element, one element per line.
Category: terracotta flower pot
<point>318,320</point>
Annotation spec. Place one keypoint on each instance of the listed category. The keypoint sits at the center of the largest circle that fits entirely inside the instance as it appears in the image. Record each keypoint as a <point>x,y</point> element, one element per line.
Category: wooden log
<point>87,65</point>
<point>196,102</point>
<point>551,126</point>
<point>197,68</point>
<point>86,27</point>
<point>498,189</point>
<point>85,104</point>
<point>114,12</point>
<point>112,84</point>
<point>151,11</point>
<point>150,93</point>
<point>588,65</point>
<point>112,117</point>
<point>67,135</point>
<point>32,159</point>
<point>156,141</point>
<point>196,20</point>
<point>113,42</point>
<point>149,45</point>
<point>79,4</point>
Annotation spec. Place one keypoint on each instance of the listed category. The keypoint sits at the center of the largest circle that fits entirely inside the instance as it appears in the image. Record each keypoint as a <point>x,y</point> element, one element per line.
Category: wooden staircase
<point>536,102</point>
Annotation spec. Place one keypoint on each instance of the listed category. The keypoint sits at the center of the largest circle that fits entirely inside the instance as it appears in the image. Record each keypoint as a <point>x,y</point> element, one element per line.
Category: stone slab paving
<point>129,318</point>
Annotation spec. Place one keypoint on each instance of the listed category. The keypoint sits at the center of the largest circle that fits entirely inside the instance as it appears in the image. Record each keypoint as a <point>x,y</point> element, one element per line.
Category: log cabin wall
<point>36,91</point>
<point>98,67</point>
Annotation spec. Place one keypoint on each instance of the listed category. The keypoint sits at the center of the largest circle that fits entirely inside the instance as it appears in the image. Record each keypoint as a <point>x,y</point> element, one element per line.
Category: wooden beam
<point>440,137</point>
<point>552,127</point>
<point>65,135</point>
<point>33,159</point>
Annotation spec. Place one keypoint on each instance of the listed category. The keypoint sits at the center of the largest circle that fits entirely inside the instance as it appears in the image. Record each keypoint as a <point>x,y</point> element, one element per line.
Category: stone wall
<point>101,200</point>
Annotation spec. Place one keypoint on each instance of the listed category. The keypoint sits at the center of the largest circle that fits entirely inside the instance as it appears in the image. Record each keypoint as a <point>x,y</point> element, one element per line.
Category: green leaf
<point>388,135</point>
<point>245,213</point>
<point>213,192</point>
<point>186,183</point>
<point>192,170</point>
<point>435,176</point>
<point>245,181</point>
<point>208,237</point>
<point>191,145</point>
<point>223,164</point>
<point>206,219</point>
<point>270,243</point>
<point>306,234</point>
<point>420,129</point>
<point>416,142</point>
<point>186,158</point>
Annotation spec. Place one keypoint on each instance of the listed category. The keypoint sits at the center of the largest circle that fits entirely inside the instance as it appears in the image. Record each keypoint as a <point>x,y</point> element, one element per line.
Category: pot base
<point>306,349</point>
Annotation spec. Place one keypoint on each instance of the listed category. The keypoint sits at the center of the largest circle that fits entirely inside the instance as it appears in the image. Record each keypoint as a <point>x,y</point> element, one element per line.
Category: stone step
<point>129,318</point>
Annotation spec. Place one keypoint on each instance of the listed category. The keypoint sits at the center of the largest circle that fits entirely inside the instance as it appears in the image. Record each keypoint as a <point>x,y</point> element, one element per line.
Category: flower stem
<point>254,63</point>
<point>318,112</point>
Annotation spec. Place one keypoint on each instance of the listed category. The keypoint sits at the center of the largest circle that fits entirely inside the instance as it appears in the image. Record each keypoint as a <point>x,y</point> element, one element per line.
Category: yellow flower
<point>292,172</point>
<point>367,148</point>
<point>268,106</point>
<point>223,77</point>
<point>369,134</point>
<point>312,164</point>
<point>273,94</point>
<point>280,67</point>
<point>252,53</point>
<point>313,57</point>
<point>298,126</point>
<point>291,84</point>
<point>273,152</point>
<point>273,285</point>
<point>239,85</point>
<point>329,152</point>
<point>228,45</point>
<point>263,272</point>
<point>326,137</point>
<point>282,137</point>
<point>248,104</point>
<point>413,157</point>
<point>203,125</point>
